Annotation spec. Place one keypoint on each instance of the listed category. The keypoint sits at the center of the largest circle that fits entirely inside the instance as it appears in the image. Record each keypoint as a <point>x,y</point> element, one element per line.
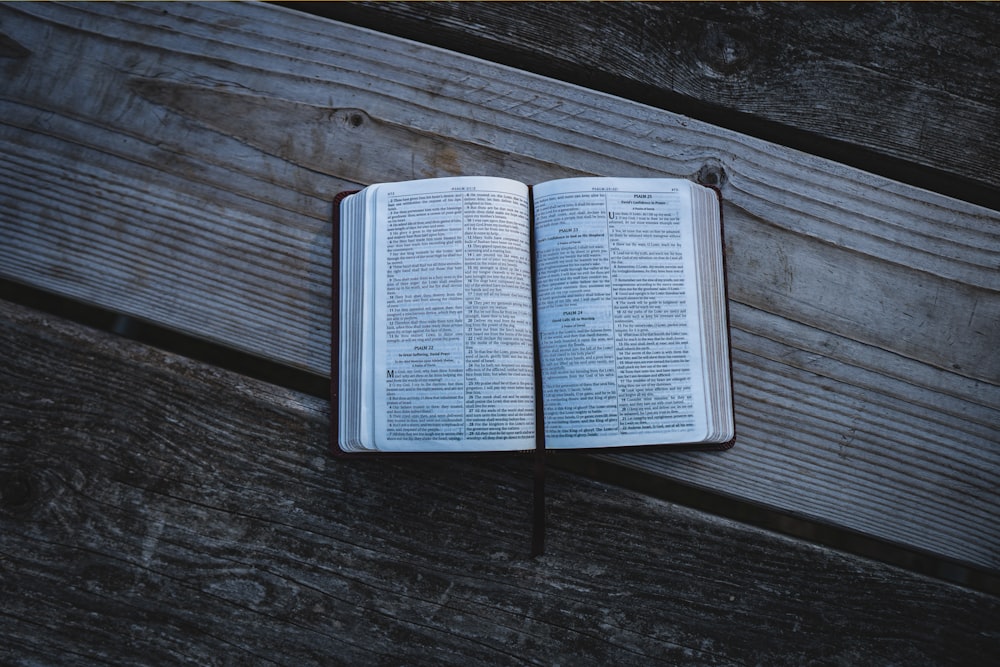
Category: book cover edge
<point>335,367</point>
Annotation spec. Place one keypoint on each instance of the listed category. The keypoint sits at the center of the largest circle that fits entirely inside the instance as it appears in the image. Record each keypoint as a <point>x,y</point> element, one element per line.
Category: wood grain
<point>159,510</point>
<point>176,163</point>
<point>866,83</point>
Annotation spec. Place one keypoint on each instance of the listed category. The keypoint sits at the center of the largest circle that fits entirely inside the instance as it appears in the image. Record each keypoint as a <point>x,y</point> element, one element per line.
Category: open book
<point>455,292</point>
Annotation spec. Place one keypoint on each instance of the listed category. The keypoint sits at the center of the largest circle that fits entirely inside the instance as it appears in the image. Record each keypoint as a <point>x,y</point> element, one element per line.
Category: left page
<point>452,360</point>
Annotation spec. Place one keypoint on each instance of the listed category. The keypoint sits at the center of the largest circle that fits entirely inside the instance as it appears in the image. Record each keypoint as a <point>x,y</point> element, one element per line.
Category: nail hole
<point>17,490</point>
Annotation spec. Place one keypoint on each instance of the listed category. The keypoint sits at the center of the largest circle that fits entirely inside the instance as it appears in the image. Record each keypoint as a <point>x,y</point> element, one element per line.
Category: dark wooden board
<point>908,90</point>
<point>156,510</point>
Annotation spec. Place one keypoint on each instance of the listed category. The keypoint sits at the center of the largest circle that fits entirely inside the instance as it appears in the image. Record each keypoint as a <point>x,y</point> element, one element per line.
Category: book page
<point>454,358</point>
<point>618,315</point>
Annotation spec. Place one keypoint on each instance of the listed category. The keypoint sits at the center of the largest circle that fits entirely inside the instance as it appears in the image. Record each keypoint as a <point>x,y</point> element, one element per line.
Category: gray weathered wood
<point>157,510</point>
<point>176,162</point>
<point>914,81</point>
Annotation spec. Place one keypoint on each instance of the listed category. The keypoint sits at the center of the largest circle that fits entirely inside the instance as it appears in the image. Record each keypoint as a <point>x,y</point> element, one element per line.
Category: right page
<point>631,313</point>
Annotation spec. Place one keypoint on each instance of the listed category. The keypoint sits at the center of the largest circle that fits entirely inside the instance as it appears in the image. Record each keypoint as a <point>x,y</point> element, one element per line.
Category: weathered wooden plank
<point>191,188</point>
<point>852,426</point>
<point>915,82</point>
<point>159,510</point>
<point>835,206</point>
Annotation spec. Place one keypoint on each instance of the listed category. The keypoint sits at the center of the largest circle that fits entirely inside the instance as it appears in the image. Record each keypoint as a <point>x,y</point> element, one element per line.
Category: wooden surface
<point>157,510</point>
<point>909,90</point>
<point>175,163</point>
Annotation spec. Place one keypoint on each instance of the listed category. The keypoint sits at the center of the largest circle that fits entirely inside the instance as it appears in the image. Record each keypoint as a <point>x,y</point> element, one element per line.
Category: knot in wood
<point>351,118</point>
<point>712,174</point>
<point>724,50</point>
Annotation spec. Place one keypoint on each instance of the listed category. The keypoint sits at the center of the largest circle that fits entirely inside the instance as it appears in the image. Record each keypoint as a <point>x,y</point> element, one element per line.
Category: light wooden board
<point>176,163</point>
<point>157,510</point>
<point>858,83</point>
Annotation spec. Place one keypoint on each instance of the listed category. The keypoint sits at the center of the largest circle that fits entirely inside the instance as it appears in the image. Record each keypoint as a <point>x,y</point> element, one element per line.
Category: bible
<point>482,314</point>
